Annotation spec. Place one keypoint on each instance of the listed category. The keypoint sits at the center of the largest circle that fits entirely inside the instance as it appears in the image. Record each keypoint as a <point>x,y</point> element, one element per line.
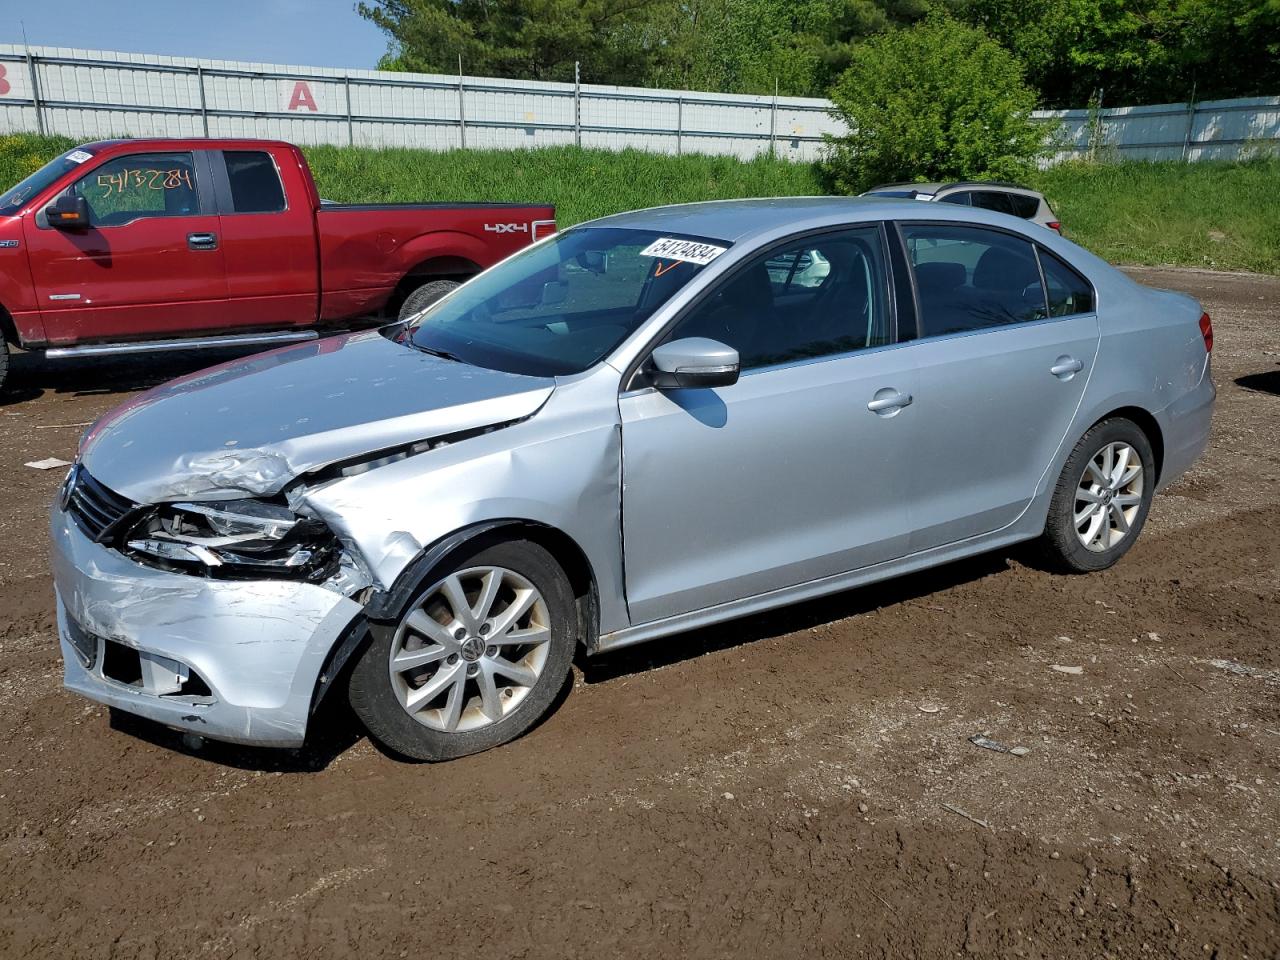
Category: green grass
<point>1224,216</point>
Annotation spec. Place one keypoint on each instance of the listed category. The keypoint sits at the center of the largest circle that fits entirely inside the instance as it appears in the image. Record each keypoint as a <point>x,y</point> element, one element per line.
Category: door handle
<point>1066,367</point>
<point>202,241</point>
<point>888,401</point>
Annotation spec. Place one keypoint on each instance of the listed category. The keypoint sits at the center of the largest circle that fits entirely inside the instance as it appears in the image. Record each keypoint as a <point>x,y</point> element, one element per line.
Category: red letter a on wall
<point>302,98</point>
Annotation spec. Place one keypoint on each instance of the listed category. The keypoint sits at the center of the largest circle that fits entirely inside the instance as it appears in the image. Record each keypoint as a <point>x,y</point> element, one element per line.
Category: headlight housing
<point>235,538</point>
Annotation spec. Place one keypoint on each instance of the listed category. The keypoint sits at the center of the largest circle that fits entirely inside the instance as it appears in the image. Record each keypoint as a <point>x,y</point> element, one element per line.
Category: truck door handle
<point>888,401</point>
<point>202,241</point>
<point>1066,368</point>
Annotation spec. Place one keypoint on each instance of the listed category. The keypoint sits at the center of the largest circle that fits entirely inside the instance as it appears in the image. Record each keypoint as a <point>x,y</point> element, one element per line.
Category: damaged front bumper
<point>233,660</point>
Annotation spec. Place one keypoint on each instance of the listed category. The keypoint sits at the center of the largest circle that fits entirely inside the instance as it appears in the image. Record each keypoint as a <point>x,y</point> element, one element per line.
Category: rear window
<point>255,182</point>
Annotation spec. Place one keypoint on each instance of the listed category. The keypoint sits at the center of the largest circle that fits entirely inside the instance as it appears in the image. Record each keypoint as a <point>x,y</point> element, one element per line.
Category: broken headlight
<point>236,538</point>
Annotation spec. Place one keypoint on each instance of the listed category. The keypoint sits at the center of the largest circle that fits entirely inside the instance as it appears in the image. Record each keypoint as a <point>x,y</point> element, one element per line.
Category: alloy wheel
<point>1109,496</point>
<point>470,649</point>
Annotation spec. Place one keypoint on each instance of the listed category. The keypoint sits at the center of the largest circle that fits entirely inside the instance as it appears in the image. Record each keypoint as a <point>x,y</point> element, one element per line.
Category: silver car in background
<point>1010,198</point>
<point>647,423</point>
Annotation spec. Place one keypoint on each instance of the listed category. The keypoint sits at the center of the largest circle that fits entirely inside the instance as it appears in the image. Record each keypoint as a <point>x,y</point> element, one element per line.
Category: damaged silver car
<point>648,423</point>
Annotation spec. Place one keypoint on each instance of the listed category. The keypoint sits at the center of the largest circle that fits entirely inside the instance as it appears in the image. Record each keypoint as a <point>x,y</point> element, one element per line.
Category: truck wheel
<point>425,296</point>
<point>474,660</point>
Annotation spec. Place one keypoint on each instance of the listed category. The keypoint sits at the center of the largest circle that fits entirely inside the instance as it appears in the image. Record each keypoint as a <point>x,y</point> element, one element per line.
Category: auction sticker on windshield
<point>690,251</point>
<point>79,156</point>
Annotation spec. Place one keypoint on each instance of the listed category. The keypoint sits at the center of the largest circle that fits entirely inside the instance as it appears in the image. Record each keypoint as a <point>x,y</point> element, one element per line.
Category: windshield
<point>563,305</point>
<point>17,195</point>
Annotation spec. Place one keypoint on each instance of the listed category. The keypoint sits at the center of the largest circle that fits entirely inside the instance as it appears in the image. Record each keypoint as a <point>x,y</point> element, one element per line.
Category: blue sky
<point>322,33</point>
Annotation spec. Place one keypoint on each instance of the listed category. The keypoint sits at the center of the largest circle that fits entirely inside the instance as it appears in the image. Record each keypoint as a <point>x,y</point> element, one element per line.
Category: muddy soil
<point>800,783</point>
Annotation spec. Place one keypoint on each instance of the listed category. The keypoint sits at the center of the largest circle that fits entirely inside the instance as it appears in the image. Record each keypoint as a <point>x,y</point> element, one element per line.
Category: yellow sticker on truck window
<point>690,251</point>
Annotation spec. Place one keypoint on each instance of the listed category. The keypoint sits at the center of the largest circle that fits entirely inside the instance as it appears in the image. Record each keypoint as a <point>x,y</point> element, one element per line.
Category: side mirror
<point>69,212</point>
<point>693,362</point>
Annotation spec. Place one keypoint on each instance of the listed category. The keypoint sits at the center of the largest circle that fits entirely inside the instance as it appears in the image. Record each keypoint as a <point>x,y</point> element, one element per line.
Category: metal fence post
<point>1191,124</point>
<point>773,122</point>
<point>204,106</point>
<point>462,108</point>
<point>35,91</point>
<point>577,104</point>
<point>351,127</point>
<point>679,121</point>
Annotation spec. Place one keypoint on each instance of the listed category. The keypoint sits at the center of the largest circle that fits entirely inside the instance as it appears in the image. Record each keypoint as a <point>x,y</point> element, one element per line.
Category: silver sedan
<point>647,423</point>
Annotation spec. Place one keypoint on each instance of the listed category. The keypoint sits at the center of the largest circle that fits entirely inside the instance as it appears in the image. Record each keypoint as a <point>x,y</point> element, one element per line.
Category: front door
<point>1002,371</point>
<point>787,476</point>
<point>149,263</point>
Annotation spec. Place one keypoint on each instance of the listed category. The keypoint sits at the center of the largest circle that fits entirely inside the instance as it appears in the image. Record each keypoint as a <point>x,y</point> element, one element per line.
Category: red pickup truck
<point>128,246</point>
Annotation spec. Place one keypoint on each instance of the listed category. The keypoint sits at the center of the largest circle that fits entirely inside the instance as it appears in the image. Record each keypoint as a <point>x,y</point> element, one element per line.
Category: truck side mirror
<point>69,212</point>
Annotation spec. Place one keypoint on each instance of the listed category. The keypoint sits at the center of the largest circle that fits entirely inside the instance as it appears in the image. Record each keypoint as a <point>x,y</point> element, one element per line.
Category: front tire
<point>475,658</point>
<point>424,296</point>
<point>1102,498</point>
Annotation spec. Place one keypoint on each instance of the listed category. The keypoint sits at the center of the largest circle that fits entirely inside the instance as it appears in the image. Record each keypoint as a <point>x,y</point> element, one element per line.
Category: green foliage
<point>938,101</point>
<point>1215,215</point>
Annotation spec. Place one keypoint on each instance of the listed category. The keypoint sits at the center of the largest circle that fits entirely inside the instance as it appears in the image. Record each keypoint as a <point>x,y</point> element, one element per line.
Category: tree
<point>937,101</point>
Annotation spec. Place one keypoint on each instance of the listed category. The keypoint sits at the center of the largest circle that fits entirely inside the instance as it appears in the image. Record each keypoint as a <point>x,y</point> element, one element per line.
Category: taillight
<point>1206,331</point>
<point>543,228</point>
<point>1054,225</point>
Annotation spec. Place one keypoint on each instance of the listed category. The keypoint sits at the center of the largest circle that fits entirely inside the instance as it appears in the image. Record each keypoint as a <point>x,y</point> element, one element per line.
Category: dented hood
<point>248,427</point>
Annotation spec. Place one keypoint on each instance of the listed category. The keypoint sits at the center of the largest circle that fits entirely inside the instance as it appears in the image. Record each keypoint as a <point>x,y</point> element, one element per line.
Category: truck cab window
<point>255,182</point>
<point>139,186</point>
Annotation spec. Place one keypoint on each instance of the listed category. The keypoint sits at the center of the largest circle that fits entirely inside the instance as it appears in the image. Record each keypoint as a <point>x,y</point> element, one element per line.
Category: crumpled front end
<point>233,660</point>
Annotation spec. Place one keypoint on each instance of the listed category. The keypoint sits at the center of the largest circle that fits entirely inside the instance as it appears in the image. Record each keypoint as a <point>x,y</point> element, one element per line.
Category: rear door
<point>268,239</point>
<point>150,262</point>
<point>1001,372</point>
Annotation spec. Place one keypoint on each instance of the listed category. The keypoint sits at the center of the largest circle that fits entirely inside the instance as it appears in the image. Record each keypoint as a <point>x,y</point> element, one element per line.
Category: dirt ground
<point>800,783</point>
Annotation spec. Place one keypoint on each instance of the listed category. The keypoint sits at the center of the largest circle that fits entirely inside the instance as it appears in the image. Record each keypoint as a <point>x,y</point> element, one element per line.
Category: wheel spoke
<point>1127,499</point>
<point>453,703</point>
<point>408,659</point>
<point>1130,475</point>
<point>457,597</point>
<point>1088,496</point>
<point>513,671</point>
<point>1117,515</point>
<point>1099,477</point>
<point>514,611</point>
<point>1108,460</point>
<point>1121,465</point>
<point>492,583</point>
<point>490,698</point>
<point>426,626</point>
<point>1086,513</point>
<point>533,634</point>
<point>419,697</point>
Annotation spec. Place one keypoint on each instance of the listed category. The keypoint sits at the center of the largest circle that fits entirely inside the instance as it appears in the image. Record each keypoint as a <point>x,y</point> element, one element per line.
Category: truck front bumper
<point>231,660</point>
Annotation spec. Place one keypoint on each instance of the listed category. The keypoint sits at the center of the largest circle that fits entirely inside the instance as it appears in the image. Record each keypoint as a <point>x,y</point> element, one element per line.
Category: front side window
<point>254,180</point>
<point>138,186</point>
<point>822,297</point>
<point>561,306</point>
<point>1069,293</point>
<point>970,278</point>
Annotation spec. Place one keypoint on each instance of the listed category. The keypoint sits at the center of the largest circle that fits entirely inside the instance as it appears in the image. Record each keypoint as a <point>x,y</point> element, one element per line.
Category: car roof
<point>737,220</point>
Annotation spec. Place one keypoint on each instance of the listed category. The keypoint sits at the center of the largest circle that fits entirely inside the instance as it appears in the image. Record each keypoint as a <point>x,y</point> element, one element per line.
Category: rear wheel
<point>474,659</point>
<point>1102,498</point>
<point>425,295</point>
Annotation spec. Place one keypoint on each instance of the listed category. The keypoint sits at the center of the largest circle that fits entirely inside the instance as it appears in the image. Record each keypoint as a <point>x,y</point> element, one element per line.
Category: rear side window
<point>971,278</point>
<point>1069,293</point>
<point>255,183</point>
<point>961,198</point>
<point>1023,205</point>
<point>992,200</point>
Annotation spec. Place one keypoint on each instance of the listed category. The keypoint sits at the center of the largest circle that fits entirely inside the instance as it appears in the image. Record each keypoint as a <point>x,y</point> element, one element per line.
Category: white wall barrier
<point>88,94</point>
